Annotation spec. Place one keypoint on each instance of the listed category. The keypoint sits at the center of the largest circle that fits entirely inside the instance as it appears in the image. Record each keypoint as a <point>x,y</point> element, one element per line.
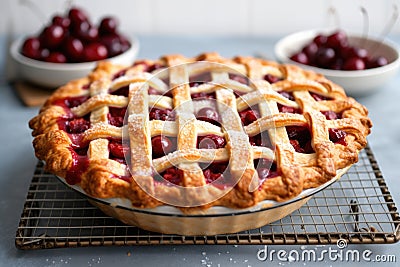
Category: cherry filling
<point>300,139</point>
<point>261,139</point>
<point>319,97</point>
<point>80,164</point>
<point>214,173</point>
<point>271,78</point>
<point>172,175</point>
<point>123,91</point>
<point>208,114</point>
<point>266,169</point>
<point>149,67</point>
<point>200,79</point>
<point>162,145</point>
<point>249,115</point>
<point>119,74</point>
<point>210,141</point>
<point>86,86</point>
<point>71,102</point>
<point>288,95</point>
<point>161,114</point>
<point>202,95</point>
<point>74,125</point>
<point>337,136</point>
<point>116,116</point>
<point>331,115</point>
<point>153,91</point>
<point>239,78</point>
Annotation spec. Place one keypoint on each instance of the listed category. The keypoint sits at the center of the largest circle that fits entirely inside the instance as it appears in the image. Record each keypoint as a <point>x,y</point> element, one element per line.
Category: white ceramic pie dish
<point>360,82</point>
<point>53,75</point>
<point>213,221</point>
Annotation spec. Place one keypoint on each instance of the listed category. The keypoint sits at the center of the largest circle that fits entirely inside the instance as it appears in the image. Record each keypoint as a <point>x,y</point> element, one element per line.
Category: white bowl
<point>358,82</point>
<point>53,75</point>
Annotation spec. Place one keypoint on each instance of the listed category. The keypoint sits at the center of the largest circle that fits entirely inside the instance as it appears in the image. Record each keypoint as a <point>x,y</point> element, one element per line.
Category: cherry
<point>248,116</point>
<point>73,48</point>
<point>271,78</point>
<point>61,21</point>
<point>94,52</point>
<point>301,58</point>
<point>210,141</point>
<point>337,39</point>
<point>377,62</point>
<point>108,25</point>
<point>311,51</point>
<point>320,40</point>
<point>117,149</point>
<point>113,44</point>
<point>208,114</point>
<point>78,125</point>
<point>325,56</point>
<point>77,15</point>
<point>337,136</point>
<point>239,78</point>
<point>52,36</point>
<point>161,145</point>
<point>161,114</point>
<point>56,57</point>
<point>330,115</point>
<point>31,48</point>
<point>172,175</point>
<point>354,63</point>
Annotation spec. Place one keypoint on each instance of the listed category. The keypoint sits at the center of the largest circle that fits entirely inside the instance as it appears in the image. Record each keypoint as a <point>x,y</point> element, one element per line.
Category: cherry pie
<point>212,132</point>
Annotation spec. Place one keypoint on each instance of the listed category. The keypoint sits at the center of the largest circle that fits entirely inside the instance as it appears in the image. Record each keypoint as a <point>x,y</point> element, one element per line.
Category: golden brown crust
<point>297,171</point>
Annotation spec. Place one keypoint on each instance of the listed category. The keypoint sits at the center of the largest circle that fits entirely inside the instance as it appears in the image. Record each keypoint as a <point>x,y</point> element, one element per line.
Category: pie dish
<point>199,133</point>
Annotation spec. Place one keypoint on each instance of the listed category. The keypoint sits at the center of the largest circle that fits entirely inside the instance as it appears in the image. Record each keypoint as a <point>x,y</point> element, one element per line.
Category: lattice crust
<point>76,134</point>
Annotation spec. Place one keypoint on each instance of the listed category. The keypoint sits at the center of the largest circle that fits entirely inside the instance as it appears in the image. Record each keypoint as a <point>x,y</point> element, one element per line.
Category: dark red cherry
<point>117,149</point>
<point>337,136</point>
<point>320,40</point>
<point>52,36</point>
<point>330,115</point>
<point>108,25</point>
<point>73,48</point>
<point>61,21</point>
<point>354,63</point>
<point>161,145</point>
<point>271,78</point>
<point>113,44</point>
<point>210,141</point>
<point>300,58</point>
<point>56,57</point>
<point>325,56</point>
<point>311,51</point>
<point>208,114</point>
<point>94,52</point>
<point>337,39</point>
<point>78,125</point>
<point>77,15</point>
<point>31,48</point>
<point>377,62</point>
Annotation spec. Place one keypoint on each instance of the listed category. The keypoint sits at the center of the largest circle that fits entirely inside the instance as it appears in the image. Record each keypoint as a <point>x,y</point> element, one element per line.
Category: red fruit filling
<point>266,169</point>
<point>116,116</point>
<point>80,164</point>
<point>161,114</point>
<point>119,74</point>
<point>172,175</point>
<point>202,95</point>
<point>149,67</point>
<point>261,139</point>
<point>271,78</point>
<point>331,115</point>
<point>210,141</point>
<point>78,125</point>
<point>117,149</point>
<point>287,109</point>
<point>123,91</point>
<point>319,97</point>
<point>300,139</point>
<point>208,114</point>
<point>239,78</point>
<point>200,79</point>
<point>337,136</point>
<point>249,115</point>
<point>214,173</point>
<point>71,102</point>
<point>288,95</point>
<point>162,145</point>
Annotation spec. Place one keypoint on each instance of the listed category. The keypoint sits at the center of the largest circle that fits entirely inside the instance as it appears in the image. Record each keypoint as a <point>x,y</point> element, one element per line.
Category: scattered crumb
<point>129,253</point>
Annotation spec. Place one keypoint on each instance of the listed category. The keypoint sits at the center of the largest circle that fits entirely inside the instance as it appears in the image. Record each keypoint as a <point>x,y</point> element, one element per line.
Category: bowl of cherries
<point>69,47</point>
<point>359,64</point>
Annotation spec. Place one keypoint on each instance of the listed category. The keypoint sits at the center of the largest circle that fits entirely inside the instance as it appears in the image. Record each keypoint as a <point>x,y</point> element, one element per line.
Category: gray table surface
<point>17,163</point>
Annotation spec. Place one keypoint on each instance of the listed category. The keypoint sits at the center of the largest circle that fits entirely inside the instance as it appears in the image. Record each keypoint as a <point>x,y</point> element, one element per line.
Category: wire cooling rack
<point>358,208</point>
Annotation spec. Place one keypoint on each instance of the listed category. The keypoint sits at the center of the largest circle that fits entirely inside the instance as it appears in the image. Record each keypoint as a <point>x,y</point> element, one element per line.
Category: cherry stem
<point>35,9</point>
<point>388,27</point>
<point>332,13</point>
<point>364,13</point>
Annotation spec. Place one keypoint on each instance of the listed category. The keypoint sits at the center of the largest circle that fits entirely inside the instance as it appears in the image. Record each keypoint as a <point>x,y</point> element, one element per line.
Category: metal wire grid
<point>358,208</point>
